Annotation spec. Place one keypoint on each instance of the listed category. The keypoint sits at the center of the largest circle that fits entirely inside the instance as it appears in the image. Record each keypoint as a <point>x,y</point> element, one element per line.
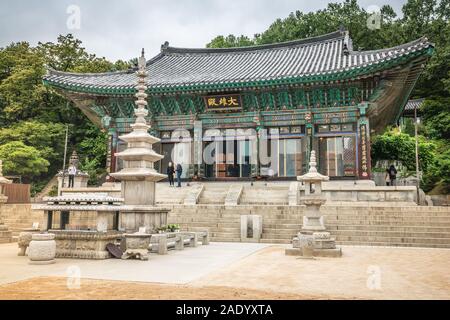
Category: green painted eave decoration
<point>342,75</point>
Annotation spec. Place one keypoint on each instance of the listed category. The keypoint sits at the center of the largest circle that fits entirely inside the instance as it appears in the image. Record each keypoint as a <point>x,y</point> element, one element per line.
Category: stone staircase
<point>214,194</point>
<point>18,217</point>
<point>415,226</point>
<point>261,194</point>
<point>46,190</point>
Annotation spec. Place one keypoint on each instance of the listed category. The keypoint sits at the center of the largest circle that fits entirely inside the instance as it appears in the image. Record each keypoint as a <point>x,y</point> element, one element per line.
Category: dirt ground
<point>361,273</point>
<point>55,288</point>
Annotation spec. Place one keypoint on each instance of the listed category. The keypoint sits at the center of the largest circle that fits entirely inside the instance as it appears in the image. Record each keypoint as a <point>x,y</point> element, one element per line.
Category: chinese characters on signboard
<point>223,102</point>
<point>364,166</point>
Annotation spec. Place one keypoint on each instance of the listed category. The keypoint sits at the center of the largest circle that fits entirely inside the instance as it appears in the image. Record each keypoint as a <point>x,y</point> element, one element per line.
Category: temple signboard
<point>225,102</point>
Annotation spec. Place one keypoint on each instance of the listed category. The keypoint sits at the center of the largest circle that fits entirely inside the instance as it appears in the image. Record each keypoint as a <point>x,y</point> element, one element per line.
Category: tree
<point>22,160</point>
<point>48,138</point>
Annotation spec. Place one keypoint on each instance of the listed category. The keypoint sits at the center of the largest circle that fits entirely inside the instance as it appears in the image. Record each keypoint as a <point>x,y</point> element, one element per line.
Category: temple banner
<point>223,102</point>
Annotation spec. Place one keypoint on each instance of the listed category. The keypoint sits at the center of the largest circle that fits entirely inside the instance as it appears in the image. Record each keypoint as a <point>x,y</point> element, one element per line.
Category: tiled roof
<point>317,58</point>
<point>412,104</point>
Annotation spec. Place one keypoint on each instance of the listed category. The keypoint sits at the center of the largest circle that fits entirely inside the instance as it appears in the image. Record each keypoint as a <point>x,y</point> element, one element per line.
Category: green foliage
<point>36,116</point>
<point>93,169</point>
<point>230,42</point>
<point>20,159</point>
<point>173,227</point>
<point>434,162</point>
<point>48,138</point>
<point>393,145</point>
<point>436,117</point>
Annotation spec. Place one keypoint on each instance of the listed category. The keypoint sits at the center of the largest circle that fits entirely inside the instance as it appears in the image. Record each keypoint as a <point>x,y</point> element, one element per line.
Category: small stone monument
<point>313,240</point>
<point>5,233</point>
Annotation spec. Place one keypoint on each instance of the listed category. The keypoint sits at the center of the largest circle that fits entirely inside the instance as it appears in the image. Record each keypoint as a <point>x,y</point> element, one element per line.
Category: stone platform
<point>84,244</point>
<point>5,234</point>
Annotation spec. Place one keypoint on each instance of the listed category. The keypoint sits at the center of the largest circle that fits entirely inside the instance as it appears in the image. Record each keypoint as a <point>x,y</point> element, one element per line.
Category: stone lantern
<point>5,233</point>
<point>313,240</point>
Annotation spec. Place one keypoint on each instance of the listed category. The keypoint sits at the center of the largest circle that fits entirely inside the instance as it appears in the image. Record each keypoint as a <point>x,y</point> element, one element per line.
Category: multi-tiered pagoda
<point>310,94</point>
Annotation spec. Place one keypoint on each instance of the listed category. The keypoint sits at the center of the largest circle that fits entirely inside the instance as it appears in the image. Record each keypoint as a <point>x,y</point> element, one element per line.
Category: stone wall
<point>19,216</point>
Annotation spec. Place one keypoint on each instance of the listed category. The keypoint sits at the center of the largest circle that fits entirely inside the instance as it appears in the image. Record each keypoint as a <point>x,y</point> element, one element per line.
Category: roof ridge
<point>329,36</point>
<point>400,46</point>
<point>50,71</point>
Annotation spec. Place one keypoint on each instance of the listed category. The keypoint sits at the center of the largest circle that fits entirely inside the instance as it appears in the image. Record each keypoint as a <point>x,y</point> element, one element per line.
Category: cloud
<point>118,29</point>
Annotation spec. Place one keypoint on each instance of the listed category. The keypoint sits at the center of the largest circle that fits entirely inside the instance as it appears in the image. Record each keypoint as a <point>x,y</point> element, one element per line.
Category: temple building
<point>310,94</point>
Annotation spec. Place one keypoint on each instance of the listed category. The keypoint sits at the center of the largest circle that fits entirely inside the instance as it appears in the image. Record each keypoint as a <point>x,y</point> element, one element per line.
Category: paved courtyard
<point>233,271</point>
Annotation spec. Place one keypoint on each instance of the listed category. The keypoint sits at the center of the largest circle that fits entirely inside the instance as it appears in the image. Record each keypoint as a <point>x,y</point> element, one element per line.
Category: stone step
<point>388,220</point>
<point>272,235</point>
<point>391,244</point>
<point>225,235</point>
<point>421,228</point>
<point>386,223</point>
<point>221,239</point>
<point>394,239</point>
<point>389,234</point>
<point>219,224</point>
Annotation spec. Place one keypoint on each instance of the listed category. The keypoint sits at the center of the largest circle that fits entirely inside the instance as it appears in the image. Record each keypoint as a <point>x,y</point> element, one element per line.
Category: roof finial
<point>165,45</point>
<point>141,61</point>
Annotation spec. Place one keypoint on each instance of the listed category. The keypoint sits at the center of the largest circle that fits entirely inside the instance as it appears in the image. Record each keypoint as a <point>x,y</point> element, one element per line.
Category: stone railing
<point>234,194</point>
<point>194,194</point>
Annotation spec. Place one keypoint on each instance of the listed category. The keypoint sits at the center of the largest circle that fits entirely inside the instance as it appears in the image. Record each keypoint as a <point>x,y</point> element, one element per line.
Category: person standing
<point>386,177</point>
<point>179,172</point>
<point>393,175</point>
<point>170,173</point>
<point>72,172</point>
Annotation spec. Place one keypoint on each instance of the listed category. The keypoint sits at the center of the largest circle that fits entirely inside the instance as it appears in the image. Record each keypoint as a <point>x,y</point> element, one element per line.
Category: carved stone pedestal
<point>24,240</point>
<point>136,245</point>
<point>84,244</point>
<point>42,248</point>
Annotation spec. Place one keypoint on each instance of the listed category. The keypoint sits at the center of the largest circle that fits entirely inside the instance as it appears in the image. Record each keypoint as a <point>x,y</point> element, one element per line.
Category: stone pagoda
<point>5,233</point>
<point>138,175</point>
<point>313,239</point>
<point>106,219</point>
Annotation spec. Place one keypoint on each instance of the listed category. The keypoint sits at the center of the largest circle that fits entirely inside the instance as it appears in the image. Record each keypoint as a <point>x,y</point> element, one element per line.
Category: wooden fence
<point>18,193</point>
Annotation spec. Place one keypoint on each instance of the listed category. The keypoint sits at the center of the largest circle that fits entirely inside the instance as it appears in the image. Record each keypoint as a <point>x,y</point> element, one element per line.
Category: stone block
<point>251,227</point>
<point>42,249</point>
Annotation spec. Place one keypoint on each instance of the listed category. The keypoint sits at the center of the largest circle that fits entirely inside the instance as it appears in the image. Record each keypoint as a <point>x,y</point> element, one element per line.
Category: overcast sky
<point>117,29</point>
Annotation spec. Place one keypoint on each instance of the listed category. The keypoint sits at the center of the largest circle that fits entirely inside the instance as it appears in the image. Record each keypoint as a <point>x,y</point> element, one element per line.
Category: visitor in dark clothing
<point>179,172</point>
<point>392,175</point>
<point>170,173</point>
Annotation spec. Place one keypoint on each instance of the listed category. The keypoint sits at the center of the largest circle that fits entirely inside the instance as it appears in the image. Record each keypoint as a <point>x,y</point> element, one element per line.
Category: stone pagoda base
<point>5,234</point>
<point>318,244</point>
<point>84,244</point>
<point>134,217</point>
